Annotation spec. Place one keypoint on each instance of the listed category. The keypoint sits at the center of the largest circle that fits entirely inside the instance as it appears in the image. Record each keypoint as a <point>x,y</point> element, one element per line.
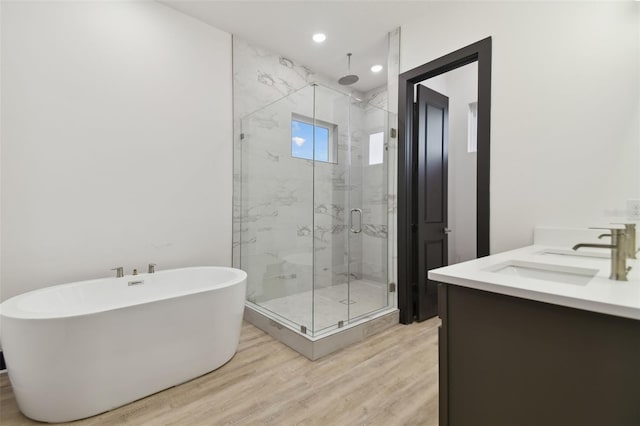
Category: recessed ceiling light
<point>376,68</point>
<point>319,37</point>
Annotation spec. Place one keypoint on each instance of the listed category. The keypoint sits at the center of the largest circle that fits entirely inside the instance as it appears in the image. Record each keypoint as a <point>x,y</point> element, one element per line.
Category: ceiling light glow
<point>376,68</point>
<point>319,37</point>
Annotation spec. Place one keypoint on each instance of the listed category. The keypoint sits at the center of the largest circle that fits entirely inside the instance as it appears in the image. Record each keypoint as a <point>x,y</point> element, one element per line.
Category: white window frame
<point>332,156</point>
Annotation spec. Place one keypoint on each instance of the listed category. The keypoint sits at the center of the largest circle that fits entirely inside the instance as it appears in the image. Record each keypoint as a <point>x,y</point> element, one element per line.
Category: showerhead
<point>349,79</point>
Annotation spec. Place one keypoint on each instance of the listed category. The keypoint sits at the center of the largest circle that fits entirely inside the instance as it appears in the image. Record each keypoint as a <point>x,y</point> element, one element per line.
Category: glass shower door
<point>330,210</point>
<point>368,210</point>
<point>350,209</point>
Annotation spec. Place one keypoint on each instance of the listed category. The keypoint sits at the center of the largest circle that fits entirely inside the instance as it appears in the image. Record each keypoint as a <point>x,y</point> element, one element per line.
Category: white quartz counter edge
<point>600,294</point>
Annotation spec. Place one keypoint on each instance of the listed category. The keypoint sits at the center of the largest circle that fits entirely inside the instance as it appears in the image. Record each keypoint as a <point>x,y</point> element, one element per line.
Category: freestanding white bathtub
<point>79,349</point>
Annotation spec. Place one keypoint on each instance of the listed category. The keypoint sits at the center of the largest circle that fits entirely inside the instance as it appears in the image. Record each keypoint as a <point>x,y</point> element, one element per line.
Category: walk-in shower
<point>312,211</point>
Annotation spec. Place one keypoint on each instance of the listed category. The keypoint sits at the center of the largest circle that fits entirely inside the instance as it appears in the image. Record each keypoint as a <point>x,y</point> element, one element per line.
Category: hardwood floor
<point>389,379</point>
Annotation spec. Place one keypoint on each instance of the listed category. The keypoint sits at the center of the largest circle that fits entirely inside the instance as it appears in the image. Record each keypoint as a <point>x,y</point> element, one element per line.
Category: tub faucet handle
<point>152,268</point>
<point>119,271</point>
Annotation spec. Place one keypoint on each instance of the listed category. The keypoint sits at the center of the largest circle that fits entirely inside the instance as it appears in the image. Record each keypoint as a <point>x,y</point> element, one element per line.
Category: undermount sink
<point>605,254</point>
<point>546,272</point>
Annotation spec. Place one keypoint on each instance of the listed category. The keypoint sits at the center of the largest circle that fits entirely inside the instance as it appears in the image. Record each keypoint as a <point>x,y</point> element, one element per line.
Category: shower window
<point>376,148</point>
<point>313,141</point>
<point>472,128</point>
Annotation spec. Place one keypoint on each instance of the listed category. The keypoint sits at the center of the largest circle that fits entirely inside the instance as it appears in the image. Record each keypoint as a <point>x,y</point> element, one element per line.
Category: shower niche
<point>312,214</point>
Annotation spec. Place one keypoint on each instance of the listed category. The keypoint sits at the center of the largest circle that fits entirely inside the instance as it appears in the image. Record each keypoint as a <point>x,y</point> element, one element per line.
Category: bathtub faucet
<point>152,268</point>
<point>119,271</point>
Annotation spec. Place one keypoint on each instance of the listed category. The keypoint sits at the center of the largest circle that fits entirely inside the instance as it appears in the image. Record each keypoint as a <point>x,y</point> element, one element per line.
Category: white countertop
<point>599,294</point>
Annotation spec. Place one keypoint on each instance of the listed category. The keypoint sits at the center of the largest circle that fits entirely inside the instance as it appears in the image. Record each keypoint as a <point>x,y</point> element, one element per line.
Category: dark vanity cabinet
<point>517,362</point>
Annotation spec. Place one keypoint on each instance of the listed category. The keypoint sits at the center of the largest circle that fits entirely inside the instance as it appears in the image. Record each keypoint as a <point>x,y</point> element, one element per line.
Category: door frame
<point>477,52</point>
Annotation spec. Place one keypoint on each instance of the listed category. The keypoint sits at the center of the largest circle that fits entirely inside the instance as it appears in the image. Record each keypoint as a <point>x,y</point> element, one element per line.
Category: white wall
<point>116,141</point>
<point>463,89</point>
<point>565,110</point>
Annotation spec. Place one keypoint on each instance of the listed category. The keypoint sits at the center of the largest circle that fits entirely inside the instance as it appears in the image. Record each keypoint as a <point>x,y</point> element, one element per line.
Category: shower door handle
<point>359,230</point>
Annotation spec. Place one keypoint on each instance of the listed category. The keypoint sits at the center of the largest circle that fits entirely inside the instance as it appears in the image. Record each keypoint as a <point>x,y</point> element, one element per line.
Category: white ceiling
<point>286,27</point>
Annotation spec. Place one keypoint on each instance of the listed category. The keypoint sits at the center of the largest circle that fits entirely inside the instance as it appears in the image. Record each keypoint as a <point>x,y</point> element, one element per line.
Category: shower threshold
<point>333,339</point>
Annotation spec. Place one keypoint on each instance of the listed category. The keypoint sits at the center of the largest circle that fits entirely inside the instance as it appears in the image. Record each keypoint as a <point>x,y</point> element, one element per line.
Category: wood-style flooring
<point>389,379</point>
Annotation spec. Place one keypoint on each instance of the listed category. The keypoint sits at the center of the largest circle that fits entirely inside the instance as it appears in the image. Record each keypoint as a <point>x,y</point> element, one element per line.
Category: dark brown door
<point>432,110</point>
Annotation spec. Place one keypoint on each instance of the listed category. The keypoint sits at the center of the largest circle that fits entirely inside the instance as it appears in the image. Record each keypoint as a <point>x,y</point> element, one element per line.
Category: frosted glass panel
<point>376,148</point>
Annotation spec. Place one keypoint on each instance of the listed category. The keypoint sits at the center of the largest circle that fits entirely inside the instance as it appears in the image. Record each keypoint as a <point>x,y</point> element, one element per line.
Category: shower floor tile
<point>331,304</point>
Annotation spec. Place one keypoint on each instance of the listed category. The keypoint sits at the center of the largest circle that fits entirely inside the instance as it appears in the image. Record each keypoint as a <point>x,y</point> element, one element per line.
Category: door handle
<point>359,230</point>
<point>447,230</point>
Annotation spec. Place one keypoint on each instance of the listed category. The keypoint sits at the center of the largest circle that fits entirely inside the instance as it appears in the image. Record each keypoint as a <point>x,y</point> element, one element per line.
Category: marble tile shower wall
<point>274,192</point>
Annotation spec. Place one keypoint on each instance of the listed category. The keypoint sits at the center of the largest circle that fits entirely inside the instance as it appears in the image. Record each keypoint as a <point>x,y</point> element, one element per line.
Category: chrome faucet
<point>119,271</point>
<point>152,268</point>
<point>619,268</point>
